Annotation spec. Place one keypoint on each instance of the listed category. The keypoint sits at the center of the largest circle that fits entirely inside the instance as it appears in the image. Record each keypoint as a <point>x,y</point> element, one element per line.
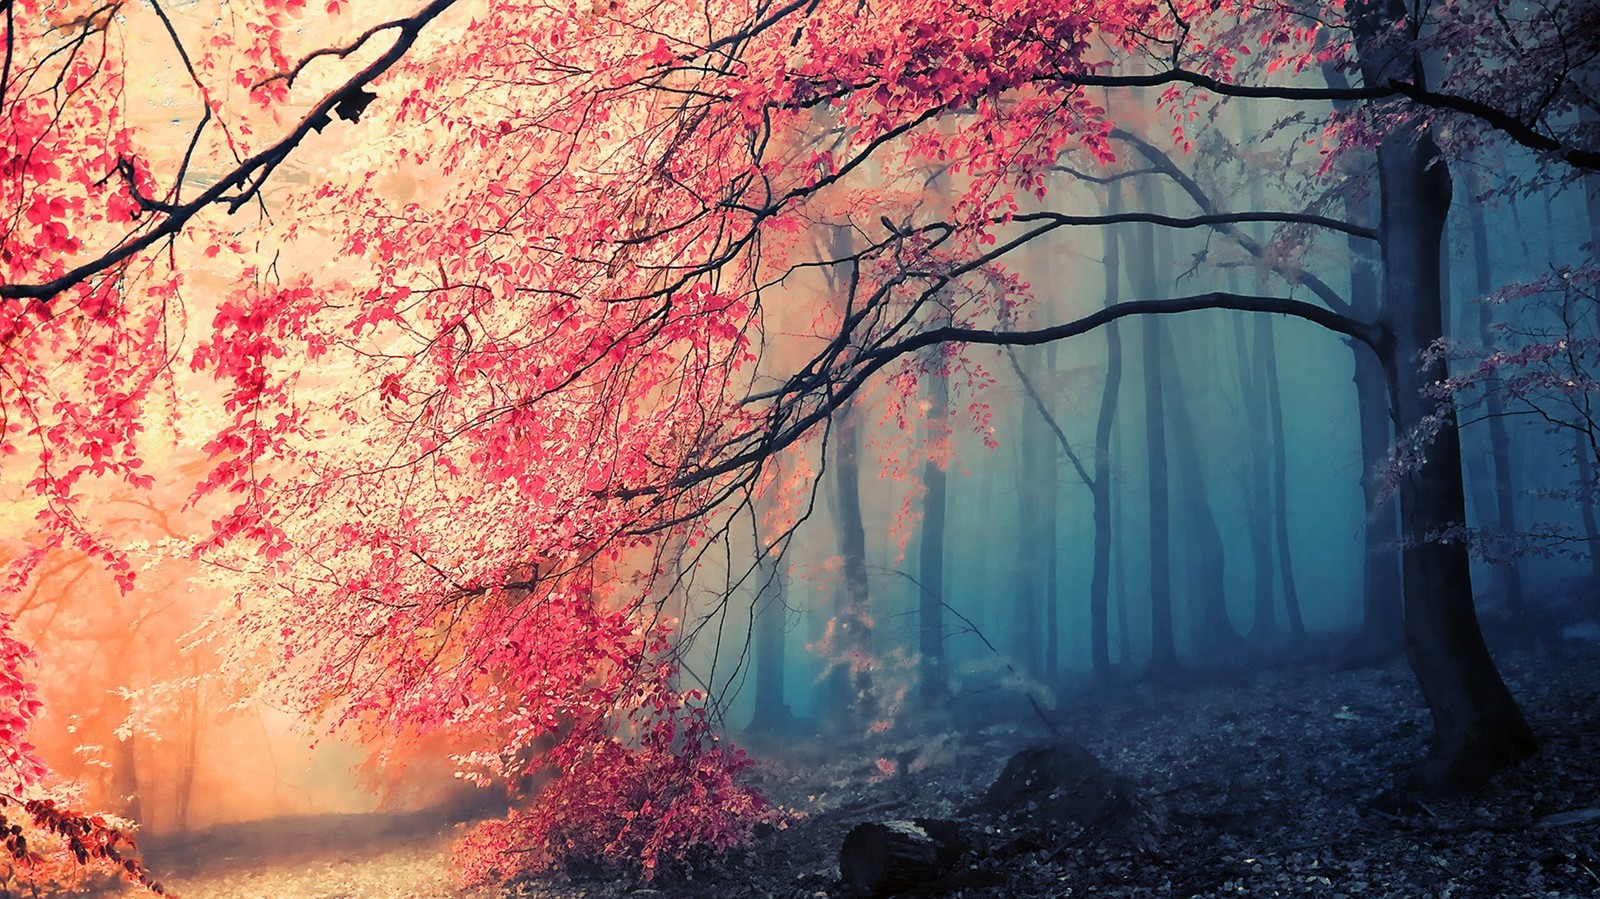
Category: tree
<point>555,341</point>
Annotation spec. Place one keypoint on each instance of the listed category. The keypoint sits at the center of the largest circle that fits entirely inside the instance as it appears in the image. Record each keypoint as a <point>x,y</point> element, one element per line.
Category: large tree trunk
<point>1478,728</point>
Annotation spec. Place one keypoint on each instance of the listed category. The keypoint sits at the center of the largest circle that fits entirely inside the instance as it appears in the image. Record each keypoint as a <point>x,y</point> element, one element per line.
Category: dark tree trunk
<point>1478,728</point>
<point>1141,276</point>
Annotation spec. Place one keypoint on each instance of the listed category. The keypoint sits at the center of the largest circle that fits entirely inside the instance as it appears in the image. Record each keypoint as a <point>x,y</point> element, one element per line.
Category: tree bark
<point>1478,728</point>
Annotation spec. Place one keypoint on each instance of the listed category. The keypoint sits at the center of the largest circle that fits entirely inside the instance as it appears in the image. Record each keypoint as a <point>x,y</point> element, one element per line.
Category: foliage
<point>658,802</point>
<point>1545,364</point>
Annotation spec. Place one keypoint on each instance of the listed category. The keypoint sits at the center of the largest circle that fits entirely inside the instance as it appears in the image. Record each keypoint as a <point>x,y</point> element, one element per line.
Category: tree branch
<point>247,178</point>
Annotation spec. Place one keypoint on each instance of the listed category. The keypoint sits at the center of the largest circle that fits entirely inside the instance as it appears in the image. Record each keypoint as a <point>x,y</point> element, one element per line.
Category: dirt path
<point>323,857</point>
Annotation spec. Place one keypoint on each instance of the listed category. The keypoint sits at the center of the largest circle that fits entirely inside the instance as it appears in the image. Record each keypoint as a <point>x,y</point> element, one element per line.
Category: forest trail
<point>376,856</point>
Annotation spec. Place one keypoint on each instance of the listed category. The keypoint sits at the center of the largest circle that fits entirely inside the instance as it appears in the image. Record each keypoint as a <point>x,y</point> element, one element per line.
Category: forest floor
<point>1266,782</point>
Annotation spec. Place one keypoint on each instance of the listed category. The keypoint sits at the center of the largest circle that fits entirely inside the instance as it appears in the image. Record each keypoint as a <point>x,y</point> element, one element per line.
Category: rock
<point>1061,784</point>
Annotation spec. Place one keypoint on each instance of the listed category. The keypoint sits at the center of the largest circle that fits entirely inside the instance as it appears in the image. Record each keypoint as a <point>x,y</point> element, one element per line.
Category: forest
<point>800,448</point>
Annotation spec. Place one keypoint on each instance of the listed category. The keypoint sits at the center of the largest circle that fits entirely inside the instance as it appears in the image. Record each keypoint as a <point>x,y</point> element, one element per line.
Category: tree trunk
<point>933,682</point>
<point>125,778</point>
<point>1267,358</point>
<point>1034,489</point>
<point>1586,461</point>
<point>1478,728</point>
<point>1051,539</point>
<point>1141,275</point>
<point>772,612</point>
<point>1100,490</point>
<point>1382,606</point>
<point>1499,439</point>
<point>854,621</point>
<point>1206,557</point>
<point>1253,397</point>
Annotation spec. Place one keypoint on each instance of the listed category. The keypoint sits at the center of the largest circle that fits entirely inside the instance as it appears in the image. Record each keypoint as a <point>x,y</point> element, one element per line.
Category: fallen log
<point>880,858</point>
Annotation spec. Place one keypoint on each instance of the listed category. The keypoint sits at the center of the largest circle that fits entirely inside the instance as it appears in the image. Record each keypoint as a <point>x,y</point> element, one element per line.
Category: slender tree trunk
<point>1051,538</point>
<point>1033,491</point>
<point>1206,555</point>
<point>1499,439</point>
<point>1381,599</point>
<point>1581,448</point>
<point>1100,490</point>
<point>854,621</point>
<point>1382,608</point>
<point>1478,728</point>
<point>933,682</point>
<point>1141,275</point>
<point>1267,354</point>
<point>772,612</point>
<point>1253,397</point>
<point>125,778</point>
<point>1265,359</point>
